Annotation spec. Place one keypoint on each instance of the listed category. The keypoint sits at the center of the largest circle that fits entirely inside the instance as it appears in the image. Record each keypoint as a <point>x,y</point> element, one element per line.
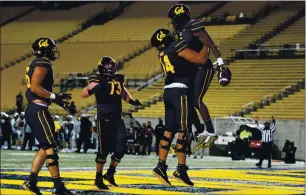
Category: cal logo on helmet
<point>179,10</point>
<point>160,36</point>
<point>43,43</point>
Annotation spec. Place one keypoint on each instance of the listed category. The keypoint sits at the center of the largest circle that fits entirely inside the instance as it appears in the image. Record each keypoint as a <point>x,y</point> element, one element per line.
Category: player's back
<point>47,82</point>
<point>108,96</point>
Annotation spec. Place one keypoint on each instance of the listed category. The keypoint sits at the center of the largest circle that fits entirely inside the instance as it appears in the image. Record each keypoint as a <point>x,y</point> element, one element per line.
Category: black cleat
<point>109,176</point>
<point>161,174</point>
<point>258,165</point>
<point>62,191</point>
<point>269,166</point>
<point>31,187</point>
<point>181,175</point>
<point>100,184</point>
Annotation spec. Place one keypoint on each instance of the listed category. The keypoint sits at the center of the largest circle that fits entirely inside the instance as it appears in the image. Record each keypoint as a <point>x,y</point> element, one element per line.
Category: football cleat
<point>62,191</point>
<point>109,176</point>
<point>31,187</point>
<point>161,174</point>
<point>258,165</point>
<point>100,184</point>
<point>181,175</point>
<point>205,140</point>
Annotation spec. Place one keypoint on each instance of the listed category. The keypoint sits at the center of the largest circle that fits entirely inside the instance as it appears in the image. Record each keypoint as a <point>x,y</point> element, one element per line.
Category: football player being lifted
<point>178,62</point>
<point>39,80</point>
<point>183,23</point>
<point>109,89</point>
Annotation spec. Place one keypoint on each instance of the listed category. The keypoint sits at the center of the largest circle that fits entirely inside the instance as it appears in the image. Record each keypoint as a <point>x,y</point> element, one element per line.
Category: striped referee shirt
<point>267,135</point>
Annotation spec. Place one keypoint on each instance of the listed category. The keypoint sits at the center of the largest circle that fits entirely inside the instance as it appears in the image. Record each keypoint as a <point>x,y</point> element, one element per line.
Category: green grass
<point>23,159</point>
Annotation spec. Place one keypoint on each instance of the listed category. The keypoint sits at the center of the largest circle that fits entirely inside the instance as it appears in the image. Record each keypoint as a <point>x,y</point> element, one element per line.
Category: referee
<point>267,140</point>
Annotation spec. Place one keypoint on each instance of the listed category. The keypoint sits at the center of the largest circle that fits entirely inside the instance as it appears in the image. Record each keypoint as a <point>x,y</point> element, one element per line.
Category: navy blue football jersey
<point>108,92</point>
<point>48,81</point>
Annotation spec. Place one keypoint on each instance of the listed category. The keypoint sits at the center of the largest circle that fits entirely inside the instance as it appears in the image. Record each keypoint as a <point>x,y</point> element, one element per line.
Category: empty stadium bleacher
<point>248,8</point>
<point>291,107</point>
<point>9,12</point>
<point>251,81</point>
<point>292,35</point>
<point>265,25</point>
<point>54,24</point>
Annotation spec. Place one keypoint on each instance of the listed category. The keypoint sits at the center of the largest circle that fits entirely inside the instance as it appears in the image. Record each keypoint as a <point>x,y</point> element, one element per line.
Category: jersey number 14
<point>166,64</point>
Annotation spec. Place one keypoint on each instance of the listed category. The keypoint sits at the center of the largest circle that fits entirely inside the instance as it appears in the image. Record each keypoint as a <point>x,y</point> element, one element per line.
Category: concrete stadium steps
<point>9,12</point>
<point>148,65</point>
<point>83,57</point>
<point>12,51</point>
<point>291,107</point>
<point>54,24</point>
<point>137,23</point>
<point>267,77</point>
<point>292,35</point>
<point>254,32</point>
<point>248,8</point>
<point>11,85</point>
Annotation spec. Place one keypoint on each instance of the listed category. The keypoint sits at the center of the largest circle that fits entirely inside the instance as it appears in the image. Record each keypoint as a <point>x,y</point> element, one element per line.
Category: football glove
<point>63,100</point>
<point>135,102</point>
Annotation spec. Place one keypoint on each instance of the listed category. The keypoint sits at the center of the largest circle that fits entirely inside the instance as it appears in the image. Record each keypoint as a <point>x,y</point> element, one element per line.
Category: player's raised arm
<point>126,96</point>
<point>87,91</point>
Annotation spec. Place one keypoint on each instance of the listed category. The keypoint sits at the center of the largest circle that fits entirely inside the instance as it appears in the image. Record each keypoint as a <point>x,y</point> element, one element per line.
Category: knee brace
<point>184,141</point>
<point>101,158</point>
<point>168,140</point>
<point>54,158</point>
<point>117,156</point>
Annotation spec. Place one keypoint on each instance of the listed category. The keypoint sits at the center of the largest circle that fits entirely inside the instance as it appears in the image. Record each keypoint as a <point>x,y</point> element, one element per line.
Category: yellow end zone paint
<point>215,181</point>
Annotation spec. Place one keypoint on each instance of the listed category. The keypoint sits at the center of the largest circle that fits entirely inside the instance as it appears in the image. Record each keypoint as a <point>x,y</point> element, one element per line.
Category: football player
<point>175,58</point>
<point>39,81</point>
<point>182,22</point>
<point>109,89</point>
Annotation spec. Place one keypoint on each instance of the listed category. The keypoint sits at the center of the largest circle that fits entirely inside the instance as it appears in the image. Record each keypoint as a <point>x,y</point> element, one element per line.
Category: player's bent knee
<point>167,142</point>
<point>181,146</point>
<point>117,156</point>
<point>52,160</point>
<point>101,158</point>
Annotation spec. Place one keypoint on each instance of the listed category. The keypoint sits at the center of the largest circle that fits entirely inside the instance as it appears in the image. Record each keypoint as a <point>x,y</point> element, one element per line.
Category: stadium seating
<point>148,65</point>
<point>12,51</point>
<point>55,24</point>
<point>292,35</point>
<point>291,107</point>
<point>9,12</point>
<point>254,32</point>
<point>248,8</point>
<point>137,23</point>
<point>252,81</point>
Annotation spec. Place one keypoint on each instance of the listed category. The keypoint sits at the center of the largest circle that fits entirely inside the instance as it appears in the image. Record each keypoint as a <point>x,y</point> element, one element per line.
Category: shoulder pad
<point>119,77</point>
<point>194,26</point>
<point>183,40</point>
<point>41,62</point>
<point>94,78</point>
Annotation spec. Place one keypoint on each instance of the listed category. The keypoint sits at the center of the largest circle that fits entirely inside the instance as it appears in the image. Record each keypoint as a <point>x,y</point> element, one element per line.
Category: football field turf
<point>211,175</point>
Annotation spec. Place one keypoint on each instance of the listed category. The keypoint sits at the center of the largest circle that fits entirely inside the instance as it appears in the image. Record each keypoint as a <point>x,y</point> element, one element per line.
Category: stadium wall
<point>292,130</point>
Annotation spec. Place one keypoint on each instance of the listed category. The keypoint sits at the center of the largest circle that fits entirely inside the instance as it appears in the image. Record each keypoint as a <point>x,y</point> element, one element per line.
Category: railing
<point>263,53</point>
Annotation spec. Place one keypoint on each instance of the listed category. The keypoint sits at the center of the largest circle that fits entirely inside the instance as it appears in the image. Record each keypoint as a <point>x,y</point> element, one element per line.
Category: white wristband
<point>52,96</point>
<point>220,61</point>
